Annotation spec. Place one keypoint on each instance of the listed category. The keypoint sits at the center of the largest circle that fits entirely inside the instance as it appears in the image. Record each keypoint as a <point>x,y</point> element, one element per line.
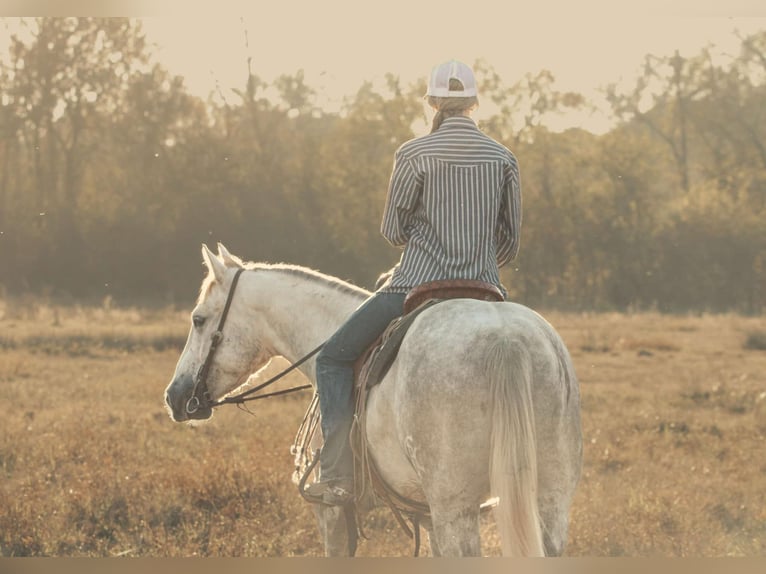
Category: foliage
<point>112,174</point>
<point>756,341</point>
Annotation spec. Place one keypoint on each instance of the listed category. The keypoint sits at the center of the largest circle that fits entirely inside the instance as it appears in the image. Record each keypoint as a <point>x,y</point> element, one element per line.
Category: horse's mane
<point>296,271</point>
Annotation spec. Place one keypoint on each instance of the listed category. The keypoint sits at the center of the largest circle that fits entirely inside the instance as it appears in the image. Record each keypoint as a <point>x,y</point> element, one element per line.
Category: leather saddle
<point>375,362</point>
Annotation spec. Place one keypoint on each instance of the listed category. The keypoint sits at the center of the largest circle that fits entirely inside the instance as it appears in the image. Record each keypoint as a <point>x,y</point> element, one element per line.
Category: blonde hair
<point>449,107</point>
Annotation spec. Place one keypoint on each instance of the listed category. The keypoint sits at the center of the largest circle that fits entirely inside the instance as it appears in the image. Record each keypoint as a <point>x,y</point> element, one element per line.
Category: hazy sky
<point>341,43</point>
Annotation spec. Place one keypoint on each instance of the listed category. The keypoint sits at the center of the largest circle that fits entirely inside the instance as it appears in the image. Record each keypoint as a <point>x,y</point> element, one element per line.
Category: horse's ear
<point>228,259</point>
<point>214,264</point>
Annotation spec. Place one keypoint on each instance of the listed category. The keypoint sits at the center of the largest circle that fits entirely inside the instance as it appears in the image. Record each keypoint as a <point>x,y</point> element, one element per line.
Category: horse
<point>481,402</point>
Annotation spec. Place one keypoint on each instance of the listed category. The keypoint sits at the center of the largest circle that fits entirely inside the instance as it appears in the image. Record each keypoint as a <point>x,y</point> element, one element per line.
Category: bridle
<point>201,395</point>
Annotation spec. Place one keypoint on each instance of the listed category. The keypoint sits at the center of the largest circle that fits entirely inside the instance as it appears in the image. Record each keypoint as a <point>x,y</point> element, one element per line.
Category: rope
<point>301,448</point>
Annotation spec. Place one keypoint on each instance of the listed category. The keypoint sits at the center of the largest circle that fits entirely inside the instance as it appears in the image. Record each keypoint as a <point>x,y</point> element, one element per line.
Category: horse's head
<point>219,354</point>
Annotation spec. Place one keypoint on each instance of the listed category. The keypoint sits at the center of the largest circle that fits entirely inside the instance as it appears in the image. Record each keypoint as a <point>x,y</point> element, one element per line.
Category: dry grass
<point>674,419</point>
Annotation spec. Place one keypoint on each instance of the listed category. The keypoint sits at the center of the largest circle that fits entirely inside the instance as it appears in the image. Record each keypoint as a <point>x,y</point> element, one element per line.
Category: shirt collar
<point>458,121</point>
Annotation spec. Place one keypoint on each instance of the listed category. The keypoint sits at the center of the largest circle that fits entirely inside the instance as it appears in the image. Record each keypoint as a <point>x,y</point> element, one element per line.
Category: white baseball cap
<point>438,86</point>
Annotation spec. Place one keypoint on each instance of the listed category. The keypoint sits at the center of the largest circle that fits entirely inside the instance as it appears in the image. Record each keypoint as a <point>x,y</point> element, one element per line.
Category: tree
<point>141,191</point>
<point>660,101</point>
<point>357,158</point>
<point>61,85</point>
<point>523,108</point>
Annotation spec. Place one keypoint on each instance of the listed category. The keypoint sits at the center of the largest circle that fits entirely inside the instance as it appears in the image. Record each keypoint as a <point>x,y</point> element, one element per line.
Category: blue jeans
<point>335,378</point>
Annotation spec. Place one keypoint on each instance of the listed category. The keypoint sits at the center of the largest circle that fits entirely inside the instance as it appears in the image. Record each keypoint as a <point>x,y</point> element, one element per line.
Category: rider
<point>454,206</point>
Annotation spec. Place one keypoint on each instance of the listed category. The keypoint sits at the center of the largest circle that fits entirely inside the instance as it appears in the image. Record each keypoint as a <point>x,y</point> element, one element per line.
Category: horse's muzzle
<point>181,402</point>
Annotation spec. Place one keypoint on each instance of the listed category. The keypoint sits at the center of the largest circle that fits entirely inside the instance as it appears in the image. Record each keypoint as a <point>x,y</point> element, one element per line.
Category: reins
<point>245,396</point>
<point>195,402</point>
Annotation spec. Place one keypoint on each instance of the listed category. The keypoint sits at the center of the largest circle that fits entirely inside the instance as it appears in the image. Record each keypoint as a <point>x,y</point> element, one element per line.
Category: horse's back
<point>455,336</point>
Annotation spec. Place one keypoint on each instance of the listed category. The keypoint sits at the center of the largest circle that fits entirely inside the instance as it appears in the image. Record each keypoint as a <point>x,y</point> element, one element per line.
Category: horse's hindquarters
<point>430,422</point>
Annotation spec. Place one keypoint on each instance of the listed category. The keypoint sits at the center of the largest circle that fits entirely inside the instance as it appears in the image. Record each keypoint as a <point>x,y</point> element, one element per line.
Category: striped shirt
<point>454,205</point>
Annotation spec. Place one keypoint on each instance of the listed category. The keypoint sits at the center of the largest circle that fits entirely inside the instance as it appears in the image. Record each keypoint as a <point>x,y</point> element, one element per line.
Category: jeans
<point>335,379</point>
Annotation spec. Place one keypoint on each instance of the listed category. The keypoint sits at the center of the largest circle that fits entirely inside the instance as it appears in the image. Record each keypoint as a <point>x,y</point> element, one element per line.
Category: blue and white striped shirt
<point>454,205</point>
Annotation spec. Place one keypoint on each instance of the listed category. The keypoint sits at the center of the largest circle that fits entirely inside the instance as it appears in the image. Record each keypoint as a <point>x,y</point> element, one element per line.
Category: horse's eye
<point>198,321</point>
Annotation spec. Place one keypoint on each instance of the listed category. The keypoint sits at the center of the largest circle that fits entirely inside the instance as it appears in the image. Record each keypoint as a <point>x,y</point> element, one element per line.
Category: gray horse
<point>481,402</point>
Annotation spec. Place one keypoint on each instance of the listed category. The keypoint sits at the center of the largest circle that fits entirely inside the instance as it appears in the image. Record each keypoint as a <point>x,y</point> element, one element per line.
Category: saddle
<point>375,362</point>
<point>451,289</point>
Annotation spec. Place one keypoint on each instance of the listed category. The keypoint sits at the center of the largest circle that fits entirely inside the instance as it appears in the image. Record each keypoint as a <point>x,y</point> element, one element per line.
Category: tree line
<point>112,174</point>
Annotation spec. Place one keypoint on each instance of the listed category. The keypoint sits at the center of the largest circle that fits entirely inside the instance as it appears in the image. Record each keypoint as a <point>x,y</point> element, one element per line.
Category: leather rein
<point>201,395</point>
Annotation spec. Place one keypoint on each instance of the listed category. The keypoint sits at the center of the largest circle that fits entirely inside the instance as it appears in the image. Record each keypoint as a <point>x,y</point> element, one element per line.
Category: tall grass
<point>91,465</point>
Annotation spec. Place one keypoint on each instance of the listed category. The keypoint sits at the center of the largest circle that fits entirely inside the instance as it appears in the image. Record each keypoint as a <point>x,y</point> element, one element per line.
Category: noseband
<point>201,396</point>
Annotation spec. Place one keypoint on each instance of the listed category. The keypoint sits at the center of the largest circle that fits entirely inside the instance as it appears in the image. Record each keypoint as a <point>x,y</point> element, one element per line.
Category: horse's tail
<point>513,459</point>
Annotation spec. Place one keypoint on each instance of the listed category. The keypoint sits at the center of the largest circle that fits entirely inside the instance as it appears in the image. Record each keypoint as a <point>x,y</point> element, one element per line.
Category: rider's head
<point>451,91</point>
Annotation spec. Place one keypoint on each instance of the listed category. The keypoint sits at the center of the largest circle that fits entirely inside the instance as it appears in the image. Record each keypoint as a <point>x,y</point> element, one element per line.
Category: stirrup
<point>330,494</point>
<point>319,499</point>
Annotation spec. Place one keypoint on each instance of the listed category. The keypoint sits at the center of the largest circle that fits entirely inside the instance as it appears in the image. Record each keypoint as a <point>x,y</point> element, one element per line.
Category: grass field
<point>674,420</point>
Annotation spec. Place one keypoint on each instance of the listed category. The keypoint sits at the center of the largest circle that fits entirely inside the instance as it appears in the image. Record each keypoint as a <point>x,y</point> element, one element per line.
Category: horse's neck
<point>301,311</point>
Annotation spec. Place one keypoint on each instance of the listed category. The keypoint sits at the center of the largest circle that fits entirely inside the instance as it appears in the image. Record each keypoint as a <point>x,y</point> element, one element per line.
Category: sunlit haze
<point>339,45</point>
